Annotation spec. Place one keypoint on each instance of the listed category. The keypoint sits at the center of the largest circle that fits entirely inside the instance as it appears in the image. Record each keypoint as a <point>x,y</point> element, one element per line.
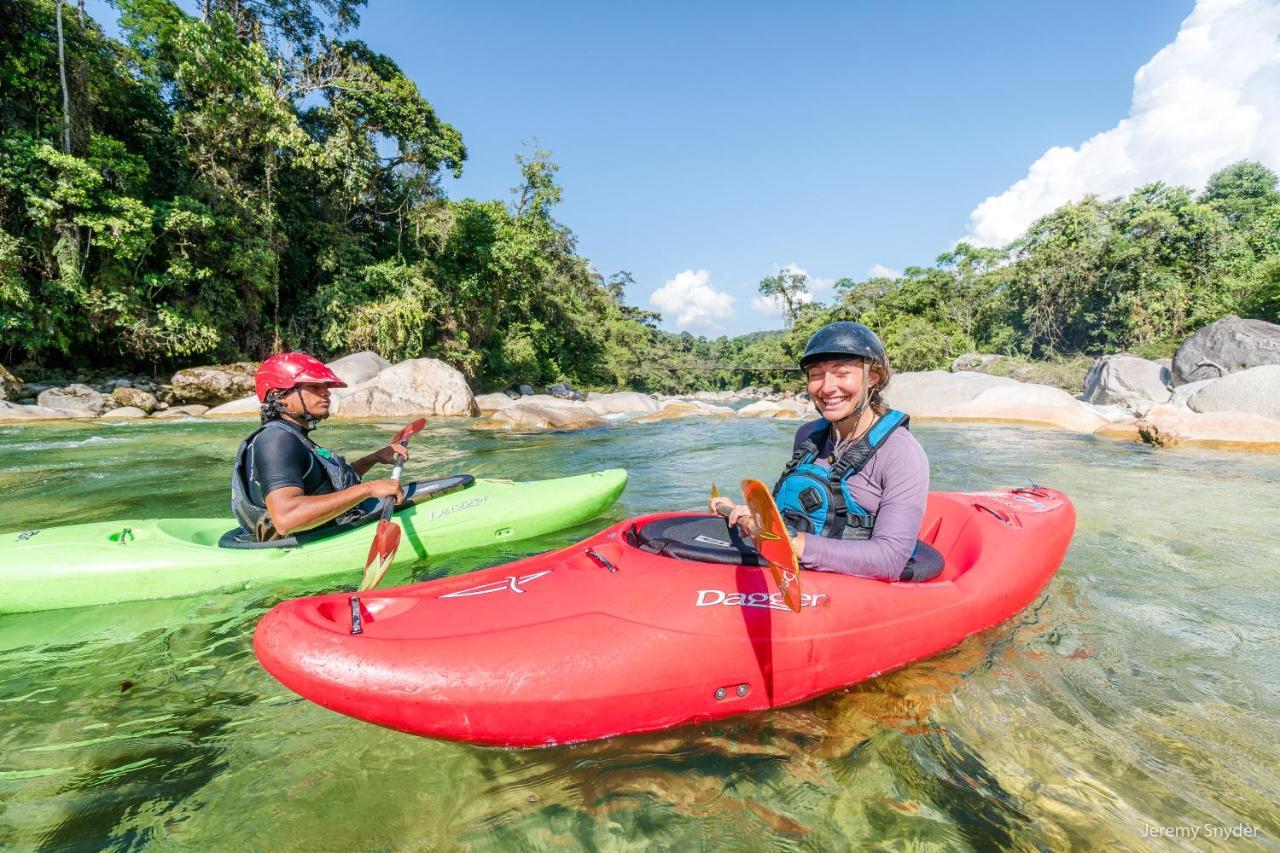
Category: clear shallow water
<point>1141,691</point>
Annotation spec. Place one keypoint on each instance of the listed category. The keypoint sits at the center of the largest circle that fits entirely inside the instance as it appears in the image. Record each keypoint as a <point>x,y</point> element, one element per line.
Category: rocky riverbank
<point>1221,389</point>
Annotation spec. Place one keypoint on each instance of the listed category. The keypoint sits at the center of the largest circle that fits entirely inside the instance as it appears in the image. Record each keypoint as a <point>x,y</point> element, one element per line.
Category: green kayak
<point>105,562</point>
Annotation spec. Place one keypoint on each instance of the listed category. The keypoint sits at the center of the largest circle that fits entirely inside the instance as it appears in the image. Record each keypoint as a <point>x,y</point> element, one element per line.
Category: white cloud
<point>1206,100</point>
<point>773,305</point>
<point>693,301</point>
<point>881,271</point>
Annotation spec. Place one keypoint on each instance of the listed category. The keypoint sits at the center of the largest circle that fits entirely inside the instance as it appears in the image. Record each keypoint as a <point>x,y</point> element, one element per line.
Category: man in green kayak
<point>284,483</point>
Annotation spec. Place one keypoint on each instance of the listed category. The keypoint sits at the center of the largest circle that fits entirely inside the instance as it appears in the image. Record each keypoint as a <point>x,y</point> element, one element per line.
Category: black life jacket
<point>816,500</point>
<point>253,516</point>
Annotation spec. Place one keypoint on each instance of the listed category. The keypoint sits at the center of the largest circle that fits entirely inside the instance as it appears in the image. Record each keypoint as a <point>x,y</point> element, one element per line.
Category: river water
<point>1133,705</point>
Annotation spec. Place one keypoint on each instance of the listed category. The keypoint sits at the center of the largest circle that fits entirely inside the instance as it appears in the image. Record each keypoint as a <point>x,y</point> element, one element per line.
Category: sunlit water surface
<point>1140,693</point>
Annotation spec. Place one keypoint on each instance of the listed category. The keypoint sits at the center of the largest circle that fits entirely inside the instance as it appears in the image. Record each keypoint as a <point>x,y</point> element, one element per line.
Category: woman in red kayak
<point>853,494</point>
<point>284,482</point>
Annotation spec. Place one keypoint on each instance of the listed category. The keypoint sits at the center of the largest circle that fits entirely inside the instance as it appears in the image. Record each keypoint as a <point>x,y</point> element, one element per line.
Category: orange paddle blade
<point>383,551</point>
<point>773,541</point>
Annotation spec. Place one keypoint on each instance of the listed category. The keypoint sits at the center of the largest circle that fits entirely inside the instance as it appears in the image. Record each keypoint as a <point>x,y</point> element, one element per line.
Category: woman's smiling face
<point>837,386</point>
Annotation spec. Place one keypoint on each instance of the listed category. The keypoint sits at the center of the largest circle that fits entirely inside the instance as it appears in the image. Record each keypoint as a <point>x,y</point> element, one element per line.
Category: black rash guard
<point>278,461</point>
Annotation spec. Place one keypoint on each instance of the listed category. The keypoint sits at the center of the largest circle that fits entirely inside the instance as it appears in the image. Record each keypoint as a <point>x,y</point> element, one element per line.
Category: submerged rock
<point>673,409</point>
<point>1167,425</point>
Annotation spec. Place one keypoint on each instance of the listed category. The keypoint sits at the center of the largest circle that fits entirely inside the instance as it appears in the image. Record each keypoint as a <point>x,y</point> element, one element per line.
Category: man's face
<point>314,395</point>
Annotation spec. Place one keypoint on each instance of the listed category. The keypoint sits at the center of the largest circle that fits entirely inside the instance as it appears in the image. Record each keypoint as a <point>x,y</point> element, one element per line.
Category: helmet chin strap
<point>864,397</point>
<point>309,420</point>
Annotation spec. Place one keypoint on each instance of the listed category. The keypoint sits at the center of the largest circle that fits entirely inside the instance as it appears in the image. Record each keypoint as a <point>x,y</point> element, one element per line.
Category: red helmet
<point>284,371</point>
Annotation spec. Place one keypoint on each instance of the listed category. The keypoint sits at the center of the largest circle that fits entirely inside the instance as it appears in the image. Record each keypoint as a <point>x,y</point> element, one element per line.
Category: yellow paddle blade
<point>715,493</point>
<point>773,542</point>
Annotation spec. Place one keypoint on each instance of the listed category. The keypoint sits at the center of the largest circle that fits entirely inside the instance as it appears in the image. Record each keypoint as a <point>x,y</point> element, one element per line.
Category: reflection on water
<point>1141,690</point>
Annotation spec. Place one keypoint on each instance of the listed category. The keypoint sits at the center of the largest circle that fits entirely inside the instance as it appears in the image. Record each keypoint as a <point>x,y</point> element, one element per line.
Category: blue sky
<point>703,147</point>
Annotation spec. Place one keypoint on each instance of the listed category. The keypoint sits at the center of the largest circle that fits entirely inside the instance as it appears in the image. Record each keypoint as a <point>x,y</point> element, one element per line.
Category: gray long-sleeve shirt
<point>894,485</point>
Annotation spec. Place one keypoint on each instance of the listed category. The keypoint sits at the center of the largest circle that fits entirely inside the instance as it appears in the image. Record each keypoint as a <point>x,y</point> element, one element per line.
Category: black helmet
<point>843,339</point>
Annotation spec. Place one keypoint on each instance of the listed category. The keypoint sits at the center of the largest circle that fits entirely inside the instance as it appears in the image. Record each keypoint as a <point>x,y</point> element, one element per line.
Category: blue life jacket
<point>253,516</point>
<point>816,500</point>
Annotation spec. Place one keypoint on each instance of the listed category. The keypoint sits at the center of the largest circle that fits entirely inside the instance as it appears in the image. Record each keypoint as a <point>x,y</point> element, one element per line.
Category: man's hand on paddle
<point>387,488</point>
<point>388,455</point>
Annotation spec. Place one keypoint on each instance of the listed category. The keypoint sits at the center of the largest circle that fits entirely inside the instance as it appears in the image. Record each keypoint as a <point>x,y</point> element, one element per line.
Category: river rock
<point>244,406</point>
<point>487,403</point>
<point>214,384</point>
<point>10,385</point>
<point>124,413</point>
<point>920,394</point>
<point>526,390</point>
<point>524,415</point>
<point>1256,390</point>
<point>565,391</point>
<point>15,412</point>
<point>1124,379</point>
<point>621,403</point>
<point>1167,425</point>
<point>413,388</point>
<point>1022,402</point>
<point>131,397</point>
<point>358,367</point>
<point>190,410</point>
<point>78,401</point>
<point>1226,346</point>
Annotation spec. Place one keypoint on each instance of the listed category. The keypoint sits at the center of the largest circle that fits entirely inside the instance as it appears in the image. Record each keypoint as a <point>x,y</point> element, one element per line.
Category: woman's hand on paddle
<point>387,488</point>
<point>741,518</point>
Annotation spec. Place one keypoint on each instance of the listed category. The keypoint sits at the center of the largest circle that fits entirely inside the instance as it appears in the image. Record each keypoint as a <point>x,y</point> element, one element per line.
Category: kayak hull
<point>559,648</point>
<point>107,562</point>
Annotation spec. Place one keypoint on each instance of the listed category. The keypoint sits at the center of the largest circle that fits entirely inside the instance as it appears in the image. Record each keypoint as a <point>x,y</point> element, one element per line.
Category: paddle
<point>387,538</point>
<point>772,540</point>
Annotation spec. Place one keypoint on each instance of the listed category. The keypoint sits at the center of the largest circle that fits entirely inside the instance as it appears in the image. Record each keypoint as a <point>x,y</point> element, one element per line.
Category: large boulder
<point>1183,393</point>
<point>77,401</point>
<point>1167,425</point>
<point>1126,380</point>
<point>1256,390</point>
<point>1025,403</point>
<point>128,396</point>
<point>923,393</point>
<point>358,367</point>
<point>214,384</point>
<point>565,391</point>
<point>621,403</point>
<point>420,386</point>
<point>1226,346</point>
<point>244,406</point>
<point>10,385</point>
<point>524,415</point>
<point>14,412</point>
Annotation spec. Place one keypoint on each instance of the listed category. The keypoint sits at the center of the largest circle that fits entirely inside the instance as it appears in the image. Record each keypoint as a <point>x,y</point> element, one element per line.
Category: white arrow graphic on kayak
<point>510,582</point>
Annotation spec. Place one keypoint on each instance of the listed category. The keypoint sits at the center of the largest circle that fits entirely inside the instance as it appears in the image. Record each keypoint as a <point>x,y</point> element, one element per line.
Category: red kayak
<point>632,631</point>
